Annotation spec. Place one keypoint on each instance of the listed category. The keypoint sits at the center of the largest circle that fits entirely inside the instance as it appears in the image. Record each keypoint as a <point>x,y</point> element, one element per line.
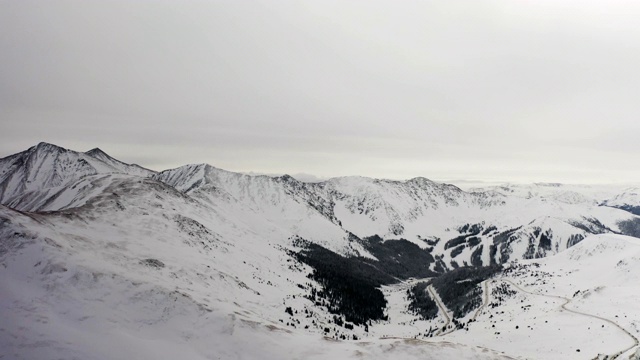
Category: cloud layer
<point>509,90</point>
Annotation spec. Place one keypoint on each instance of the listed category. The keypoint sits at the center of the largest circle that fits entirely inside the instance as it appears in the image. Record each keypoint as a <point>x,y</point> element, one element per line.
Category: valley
<point>203,263</point>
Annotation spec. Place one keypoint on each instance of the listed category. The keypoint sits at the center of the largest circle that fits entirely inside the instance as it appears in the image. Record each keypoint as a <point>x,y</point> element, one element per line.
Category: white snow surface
<point>194,262</point>
<point>598,281</point>
<point>33,179</point>
<point>49,178</point>
<point>79,284</point>
<point>414,210</point>
<point>629,197</point>
<point>131,169</point>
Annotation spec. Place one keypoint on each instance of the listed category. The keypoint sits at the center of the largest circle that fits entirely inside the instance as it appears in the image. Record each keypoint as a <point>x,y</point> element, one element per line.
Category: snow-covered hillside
<point>144,271</point>
<point>581,303</point>
<point>34,178</point>
<point>205,263</point>
<point>503,225</point>
<point>278,207</point>
<point>628,200</point>
<point>507,222</point>
<point>131,169</point>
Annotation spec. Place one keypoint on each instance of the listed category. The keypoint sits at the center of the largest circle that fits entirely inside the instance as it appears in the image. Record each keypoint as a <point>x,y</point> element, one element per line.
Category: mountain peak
<point>288,178</point>
<point>37,170</point>
<point>420,180</point>
<point>96,151</point>
<point>101,155</point>
<point>45,146</point>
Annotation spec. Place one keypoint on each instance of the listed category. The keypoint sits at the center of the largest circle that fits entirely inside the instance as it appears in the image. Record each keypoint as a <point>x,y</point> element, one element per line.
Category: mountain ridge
<point>330,212</point>
<point>211,263</point>
<point>29,179</point>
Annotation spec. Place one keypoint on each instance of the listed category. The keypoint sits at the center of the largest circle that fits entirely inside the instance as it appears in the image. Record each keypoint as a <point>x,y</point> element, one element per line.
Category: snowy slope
<point>567,193</point>
<point>628,200</point>
<point>511,221</point>
<point>391,208</point>
<point>32,179</point>
<point>197,261</point>
<point>279,206</point>
<point>130,169</point>
<point>142,271</point>
<point>419,210</point>
<point>581,303</point>
<point>157,273</point>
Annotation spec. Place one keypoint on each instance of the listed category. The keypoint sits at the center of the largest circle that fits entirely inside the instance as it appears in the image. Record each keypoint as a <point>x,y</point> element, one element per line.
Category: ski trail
<point>564,307</point>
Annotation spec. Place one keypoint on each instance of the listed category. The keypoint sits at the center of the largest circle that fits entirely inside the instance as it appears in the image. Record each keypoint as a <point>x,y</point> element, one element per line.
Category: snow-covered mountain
<point>205,263</point>
<point>628,200</point>
<point>31,180</point>
<point>496,224</point>
<point>580,303</point>
<point>281,206</point>
<point>131,169</point>
<point>483,226</point>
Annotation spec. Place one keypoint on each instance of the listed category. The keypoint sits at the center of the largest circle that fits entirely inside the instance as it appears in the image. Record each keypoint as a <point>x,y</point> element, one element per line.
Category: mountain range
<point>202,262</point>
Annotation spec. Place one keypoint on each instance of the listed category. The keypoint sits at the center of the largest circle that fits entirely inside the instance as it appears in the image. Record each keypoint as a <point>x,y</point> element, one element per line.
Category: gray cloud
<point>528,91</point>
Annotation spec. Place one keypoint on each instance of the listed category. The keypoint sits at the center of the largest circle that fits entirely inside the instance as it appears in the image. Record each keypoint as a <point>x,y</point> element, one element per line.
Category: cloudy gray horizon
<point>519,91</point>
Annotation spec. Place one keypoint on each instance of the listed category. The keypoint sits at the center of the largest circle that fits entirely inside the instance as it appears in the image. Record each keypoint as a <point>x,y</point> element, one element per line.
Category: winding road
<point>485,299</point>
<point>564,307</point>
<point>443,310</point>
<point>566,301</point>
<point>434,295</point>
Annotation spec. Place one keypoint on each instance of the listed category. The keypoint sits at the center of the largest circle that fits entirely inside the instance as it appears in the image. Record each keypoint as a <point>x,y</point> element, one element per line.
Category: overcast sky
<point>486,90</point>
